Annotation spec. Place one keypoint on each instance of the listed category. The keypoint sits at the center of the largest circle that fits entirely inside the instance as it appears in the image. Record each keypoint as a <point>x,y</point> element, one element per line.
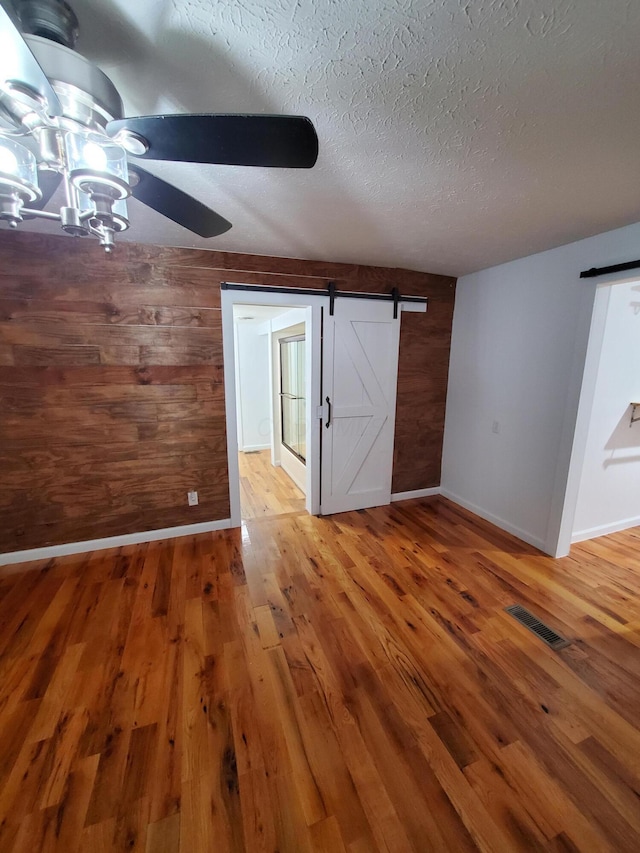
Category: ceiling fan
<point>61,121</point>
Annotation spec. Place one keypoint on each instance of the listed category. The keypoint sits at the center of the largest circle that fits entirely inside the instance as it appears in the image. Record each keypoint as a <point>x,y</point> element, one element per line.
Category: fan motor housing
<point>51,19</point>
<point>87,95</point>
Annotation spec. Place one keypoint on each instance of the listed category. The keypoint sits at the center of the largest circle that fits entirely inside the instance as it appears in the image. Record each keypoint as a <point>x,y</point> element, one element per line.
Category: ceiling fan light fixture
<point>132,142</point>
<point>52,19</point>
<point>114,213</point>
<point>120,215</point>
<point>18,169</point>
<point>50,148</point>
<point>97,165</point>
<point>70,117</point>
<point>18,180</point>
<point>95,156</point>
<point>8,161</point>
<point>21,100</point>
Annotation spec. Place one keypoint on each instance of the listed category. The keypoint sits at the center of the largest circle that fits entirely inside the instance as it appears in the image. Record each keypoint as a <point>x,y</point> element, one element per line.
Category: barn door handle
<point>328,423</point>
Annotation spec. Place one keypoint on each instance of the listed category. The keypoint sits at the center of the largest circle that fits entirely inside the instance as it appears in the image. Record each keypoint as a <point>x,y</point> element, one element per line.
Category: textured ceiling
<point>454,134</point>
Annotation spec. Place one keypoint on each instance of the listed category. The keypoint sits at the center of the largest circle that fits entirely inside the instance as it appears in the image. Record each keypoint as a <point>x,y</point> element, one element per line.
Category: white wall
<point>520,335</point>
<point>252,386</point>
<point>609,491</point>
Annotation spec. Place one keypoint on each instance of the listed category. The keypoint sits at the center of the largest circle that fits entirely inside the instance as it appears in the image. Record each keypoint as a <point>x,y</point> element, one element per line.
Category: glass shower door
<point>292,399</point>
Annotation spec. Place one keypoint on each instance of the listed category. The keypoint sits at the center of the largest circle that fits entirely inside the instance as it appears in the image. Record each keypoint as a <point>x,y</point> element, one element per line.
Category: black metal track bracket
<point>395,293</point>
<point>596,271</point>
<point>331,290</point>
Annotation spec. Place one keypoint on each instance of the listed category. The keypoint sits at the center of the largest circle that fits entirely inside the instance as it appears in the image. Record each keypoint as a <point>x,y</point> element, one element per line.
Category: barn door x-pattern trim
<point>377,412</point>
<point>360,376</point>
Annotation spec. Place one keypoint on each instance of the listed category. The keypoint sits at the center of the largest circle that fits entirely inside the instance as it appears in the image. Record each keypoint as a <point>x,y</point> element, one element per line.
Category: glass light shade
<point>97,164</point>
<point>119,213</point>
<point>18,170</point>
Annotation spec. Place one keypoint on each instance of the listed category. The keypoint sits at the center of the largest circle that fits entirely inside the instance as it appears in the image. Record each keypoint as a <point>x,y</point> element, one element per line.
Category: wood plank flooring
<point>264,489</point>
<point>342,684</point>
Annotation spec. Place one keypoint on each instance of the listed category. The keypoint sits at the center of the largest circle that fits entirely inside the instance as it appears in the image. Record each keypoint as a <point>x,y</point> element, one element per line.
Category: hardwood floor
<point>323,684</point>
<point>264,489</point>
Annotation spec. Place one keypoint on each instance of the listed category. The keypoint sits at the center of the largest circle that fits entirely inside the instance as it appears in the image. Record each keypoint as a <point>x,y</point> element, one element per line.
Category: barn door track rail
<point>332,292</point>
<point>596,271</point>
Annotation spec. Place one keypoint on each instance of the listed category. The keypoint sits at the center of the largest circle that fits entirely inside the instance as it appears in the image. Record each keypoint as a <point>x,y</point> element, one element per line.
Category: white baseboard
<point>536,541</point>
<point>605,529</point>
<point>50,551</point>
<point>253,448</point>
<point>416,493</point>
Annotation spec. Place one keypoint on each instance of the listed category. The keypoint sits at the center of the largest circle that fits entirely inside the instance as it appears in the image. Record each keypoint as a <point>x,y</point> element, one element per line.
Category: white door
<point>359,378</point>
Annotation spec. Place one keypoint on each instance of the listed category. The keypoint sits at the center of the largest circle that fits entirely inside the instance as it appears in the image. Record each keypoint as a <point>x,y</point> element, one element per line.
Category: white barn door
<point>359,378</point>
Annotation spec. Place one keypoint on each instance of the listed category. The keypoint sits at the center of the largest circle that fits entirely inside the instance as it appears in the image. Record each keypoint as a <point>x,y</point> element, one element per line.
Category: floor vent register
<point>546,634</point>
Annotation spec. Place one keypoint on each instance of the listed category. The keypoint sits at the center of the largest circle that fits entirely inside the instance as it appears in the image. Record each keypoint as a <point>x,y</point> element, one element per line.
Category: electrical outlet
<point>496,427</point>
<point>192,498</point>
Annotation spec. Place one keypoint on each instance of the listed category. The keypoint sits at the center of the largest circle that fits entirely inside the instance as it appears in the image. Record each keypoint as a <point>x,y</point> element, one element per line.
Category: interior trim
<point>416,493</point>
<point>50,551</point>
<point>604,529</point>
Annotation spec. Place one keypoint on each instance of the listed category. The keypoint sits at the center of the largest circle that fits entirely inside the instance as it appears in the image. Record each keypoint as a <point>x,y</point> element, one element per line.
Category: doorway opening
<point>272,341</point>
<point>350,366</point>
<point>271,409</point>
<point>601,494</point>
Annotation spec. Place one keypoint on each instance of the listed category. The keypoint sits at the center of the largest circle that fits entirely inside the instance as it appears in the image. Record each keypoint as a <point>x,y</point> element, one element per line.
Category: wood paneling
<point>111,381</point>
<point>316,685</point>
<point>112,394</point>
<point>423,369</point>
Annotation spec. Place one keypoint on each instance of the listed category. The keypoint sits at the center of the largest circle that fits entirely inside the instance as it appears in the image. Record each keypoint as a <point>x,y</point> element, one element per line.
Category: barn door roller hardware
<point>393,296</point>
<point>333,293</point>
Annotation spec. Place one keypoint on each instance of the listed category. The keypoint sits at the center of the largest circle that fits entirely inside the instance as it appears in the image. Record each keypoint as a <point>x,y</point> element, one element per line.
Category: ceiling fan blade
<point>19,69</point>
<point>48,182</point>
<point>175,204</point>
<point>233,140</point>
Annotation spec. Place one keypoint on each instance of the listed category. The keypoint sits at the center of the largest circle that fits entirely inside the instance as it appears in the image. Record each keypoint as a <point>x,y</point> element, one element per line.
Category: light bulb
<point>8,161</point>
<point>95,157</point>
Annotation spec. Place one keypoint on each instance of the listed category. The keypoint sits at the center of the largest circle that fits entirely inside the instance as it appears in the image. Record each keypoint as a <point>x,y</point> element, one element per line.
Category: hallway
<point>265,490</point>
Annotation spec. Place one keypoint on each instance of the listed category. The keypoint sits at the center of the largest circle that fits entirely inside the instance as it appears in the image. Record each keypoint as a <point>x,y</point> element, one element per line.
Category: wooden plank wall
<point>111,382</point>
